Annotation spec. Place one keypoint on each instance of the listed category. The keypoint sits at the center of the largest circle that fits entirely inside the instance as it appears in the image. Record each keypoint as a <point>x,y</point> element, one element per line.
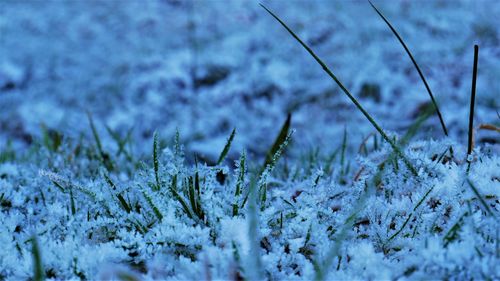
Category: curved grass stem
<point>422,77</point>
<point>394,146</point>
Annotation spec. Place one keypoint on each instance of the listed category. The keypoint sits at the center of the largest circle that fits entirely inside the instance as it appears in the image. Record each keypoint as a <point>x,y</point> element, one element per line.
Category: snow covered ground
<point>204,68</point>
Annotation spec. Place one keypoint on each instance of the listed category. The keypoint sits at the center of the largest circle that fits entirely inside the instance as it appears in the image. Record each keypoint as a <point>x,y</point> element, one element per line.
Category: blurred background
<point>206,67</point>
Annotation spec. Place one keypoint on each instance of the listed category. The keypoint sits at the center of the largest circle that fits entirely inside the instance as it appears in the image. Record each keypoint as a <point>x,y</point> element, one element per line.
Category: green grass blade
<point>481,199</point>
<point>192,196</point>
<point>123,203</point>
<point>94,133</point>
<point>156,162</point>
<point>398,151</point>
<point>197,188</point>
<point>110,182</point>
<point>38,272</point>
<point>239,183</point>
<point>104,157</point>
<point>241,174</point>
<point>452,234</point>
<point>177,143</point>
<point>259,180</point>
<point>178,197</point>
<point>59,186</point>
<point>120,142</point>
<point>226,147</point>
<point>52,139</point>
<point>412,130</point>
<point>422,200</point>
<point>262,184</point>
<point>72,202</point>
<point>153,206</point>
<point>280,139</point>
<point>183,203</point>
<point>422,77</point>
<point>342,154</point>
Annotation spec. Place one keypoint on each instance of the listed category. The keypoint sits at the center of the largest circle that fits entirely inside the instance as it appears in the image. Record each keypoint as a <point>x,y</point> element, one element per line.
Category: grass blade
<point>259,180</point>
<point>481,199</point>
<point>199,210</point>
<point>398,151</point>
<point>470,144</point>
<point>226,147</point>
<point>422,77</point>
<point>38,272</point>
<point>452,234</point>
<point>239,183</point>
<point>412,213</point>
<point>121,142</point>
<point>178,197</point>
<point>192,196</point>
<point>280,139</point>
<point>262,183</point>
<point>104,157</point>
<point>342,153</point>
<point>121,200</point>
<point>155,161</point>
<point>153,206</point>
<point>72,202</point>
<point>59,186</point>
<point>124,203</point>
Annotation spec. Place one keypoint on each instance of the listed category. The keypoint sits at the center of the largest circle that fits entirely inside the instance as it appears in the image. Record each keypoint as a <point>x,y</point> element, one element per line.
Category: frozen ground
<point>204,68</point>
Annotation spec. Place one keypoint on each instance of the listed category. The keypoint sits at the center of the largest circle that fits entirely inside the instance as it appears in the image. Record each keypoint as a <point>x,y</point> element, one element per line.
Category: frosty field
<point>189,140</point>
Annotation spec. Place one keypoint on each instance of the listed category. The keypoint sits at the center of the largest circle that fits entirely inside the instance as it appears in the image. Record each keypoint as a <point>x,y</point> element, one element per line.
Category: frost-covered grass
<point>95,198</point>
<point>165,218</point>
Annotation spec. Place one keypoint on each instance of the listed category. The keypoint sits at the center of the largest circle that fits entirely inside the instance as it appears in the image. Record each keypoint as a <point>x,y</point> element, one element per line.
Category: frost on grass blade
<point>156,162</point>
<point>239,182</point>
<point>280,139</point>
<point>121,201</point>
<point>152,205</point>
<point>262,182</point>
<point>394,146</point>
